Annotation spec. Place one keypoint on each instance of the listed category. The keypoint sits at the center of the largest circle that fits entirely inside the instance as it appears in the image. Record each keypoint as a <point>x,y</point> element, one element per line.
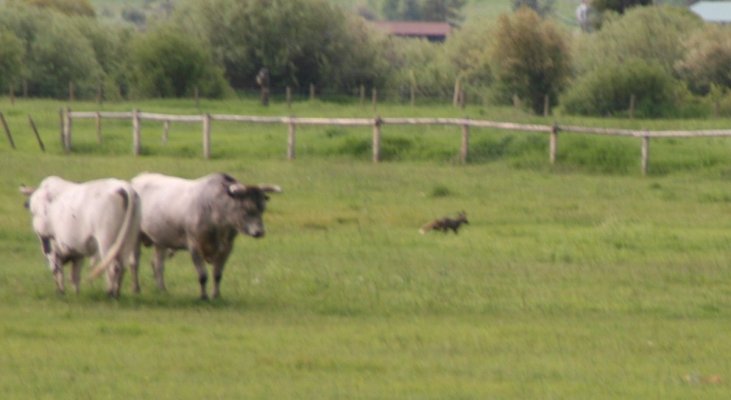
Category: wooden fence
<point>377,124</point>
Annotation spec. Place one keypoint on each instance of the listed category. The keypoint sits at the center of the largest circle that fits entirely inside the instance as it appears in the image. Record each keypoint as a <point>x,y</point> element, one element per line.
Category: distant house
<point>431,31</point>
<point>718,12</point>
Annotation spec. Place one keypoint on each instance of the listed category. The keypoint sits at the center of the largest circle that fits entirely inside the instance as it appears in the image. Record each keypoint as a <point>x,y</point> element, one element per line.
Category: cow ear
<point>270,188</point>
<point>26,190</point>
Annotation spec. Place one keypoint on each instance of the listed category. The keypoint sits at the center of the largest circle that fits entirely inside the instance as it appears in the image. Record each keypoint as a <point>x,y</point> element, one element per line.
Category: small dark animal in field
<point>445,224</point>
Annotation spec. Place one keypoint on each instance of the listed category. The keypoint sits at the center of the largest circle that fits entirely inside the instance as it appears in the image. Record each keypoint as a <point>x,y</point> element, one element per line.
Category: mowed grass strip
<point>567,283</point>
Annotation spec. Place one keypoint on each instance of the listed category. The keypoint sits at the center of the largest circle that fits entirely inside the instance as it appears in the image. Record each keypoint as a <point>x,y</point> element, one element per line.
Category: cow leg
<point>76,273</point>
<point>56,266</point>
<point>134,266</point>
<point>218,265</point>
<point>158,267</point>
<point>200,266</point>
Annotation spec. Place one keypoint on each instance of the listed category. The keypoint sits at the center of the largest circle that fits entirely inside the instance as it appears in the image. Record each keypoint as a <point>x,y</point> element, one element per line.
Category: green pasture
<point>581,280</point>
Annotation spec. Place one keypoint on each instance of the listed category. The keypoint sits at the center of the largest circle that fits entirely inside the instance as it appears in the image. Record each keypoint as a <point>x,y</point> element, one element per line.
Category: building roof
<point>431,30</point>
<point>713,11</point>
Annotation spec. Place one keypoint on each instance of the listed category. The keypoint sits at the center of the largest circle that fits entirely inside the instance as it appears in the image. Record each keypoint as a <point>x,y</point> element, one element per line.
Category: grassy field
<point>579,280</point>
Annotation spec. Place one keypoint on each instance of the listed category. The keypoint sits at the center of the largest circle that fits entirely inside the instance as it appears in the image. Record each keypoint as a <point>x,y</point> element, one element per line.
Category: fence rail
<point>67,117</point>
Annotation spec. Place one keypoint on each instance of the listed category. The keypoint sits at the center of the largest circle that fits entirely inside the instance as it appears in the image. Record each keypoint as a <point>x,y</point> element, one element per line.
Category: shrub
<point>607,91</point>
<point>531,59</point>
<point>169,63</point>
<point>706,60</point>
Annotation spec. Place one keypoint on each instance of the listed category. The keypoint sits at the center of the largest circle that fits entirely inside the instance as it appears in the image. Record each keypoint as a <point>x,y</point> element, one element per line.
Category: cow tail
<point>131,202</point>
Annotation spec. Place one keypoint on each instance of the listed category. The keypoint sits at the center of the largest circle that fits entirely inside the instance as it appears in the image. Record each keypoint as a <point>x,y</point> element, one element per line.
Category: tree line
<point>663,60</point>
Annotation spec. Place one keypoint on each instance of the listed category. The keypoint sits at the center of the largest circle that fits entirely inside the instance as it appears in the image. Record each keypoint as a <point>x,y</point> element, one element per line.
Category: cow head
<point>250,203</point>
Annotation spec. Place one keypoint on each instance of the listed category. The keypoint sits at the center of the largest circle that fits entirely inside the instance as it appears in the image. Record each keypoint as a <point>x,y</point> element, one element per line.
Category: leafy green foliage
<point>301,42</point>
<point>11,60</point>
<point>635,54</point>
<point>653,34</point>
<point>707,59</point>
<point>168,63</point>
<point>420,65</point>
<point>607,91</point>
<point>531,59</point>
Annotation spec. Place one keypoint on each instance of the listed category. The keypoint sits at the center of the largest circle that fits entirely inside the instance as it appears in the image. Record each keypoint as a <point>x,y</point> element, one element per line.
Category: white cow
<point>98,219</point>
<point>202,216</point>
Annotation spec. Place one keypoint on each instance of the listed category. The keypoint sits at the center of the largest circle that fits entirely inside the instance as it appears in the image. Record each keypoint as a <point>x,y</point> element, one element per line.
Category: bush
<point>607,91</point>
<point>531,59</point>
<point>11,60</point>
<point>707,59</point>
<point>169,63</point>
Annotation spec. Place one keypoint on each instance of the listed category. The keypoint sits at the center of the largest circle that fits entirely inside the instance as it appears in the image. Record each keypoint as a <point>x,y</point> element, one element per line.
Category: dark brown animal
<point>445,224</point>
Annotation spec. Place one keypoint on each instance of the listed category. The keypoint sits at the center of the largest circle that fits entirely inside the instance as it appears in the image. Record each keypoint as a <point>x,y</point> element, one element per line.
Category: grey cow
<point>202,216</point>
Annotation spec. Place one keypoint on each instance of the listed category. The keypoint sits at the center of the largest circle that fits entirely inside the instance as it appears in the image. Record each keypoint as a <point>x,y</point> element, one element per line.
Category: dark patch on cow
<point>125,198</point>
<point>46,244</point>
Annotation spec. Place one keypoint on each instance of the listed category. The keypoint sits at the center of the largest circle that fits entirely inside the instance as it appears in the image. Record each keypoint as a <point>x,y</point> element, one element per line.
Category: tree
<point>168,63</point>
<point>11,60</point>
<point>531,59</point>
<point>634,54</point>
<point>468,50</point>
<point>300,42</point>
<point>652,34</point>
<point>706,59</point>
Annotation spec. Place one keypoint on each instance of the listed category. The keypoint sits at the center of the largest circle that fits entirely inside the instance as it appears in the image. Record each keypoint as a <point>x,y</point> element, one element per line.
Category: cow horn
<point>270,188</point>
<point>236,188</point>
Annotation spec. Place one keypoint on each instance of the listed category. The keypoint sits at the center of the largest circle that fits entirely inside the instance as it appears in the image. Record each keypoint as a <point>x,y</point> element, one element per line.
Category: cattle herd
<point>108,220</point>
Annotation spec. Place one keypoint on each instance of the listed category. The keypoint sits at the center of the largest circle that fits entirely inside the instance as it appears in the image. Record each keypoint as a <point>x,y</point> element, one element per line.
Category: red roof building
<point>432,31</point>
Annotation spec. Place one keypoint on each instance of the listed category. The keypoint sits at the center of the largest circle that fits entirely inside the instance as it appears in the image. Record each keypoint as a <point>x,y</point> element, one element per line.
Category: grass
<point>577,280</point>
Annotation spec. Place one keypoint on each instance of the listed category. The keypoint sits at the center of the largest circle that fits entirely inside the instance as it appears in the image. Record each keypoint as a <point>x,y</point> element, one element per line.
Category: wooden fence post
<point>61,124</point>
<point>67,123</point>
<point>312,91</point>
<point>645,153</point>
<point>99,127</point>
<point>546,106</point>
<point>374,99</point>
<point>289,98</point>
<point>207,136</point>
<point>35,131</point>
<point>553,144</point>
<point>377,122</point>
<point>99,93</point>
<point>7,131</point>
<point>165,131</point>
<point>136,136</point>
<point>291,139</point>
<point>464,149</point>
<point>632,100</point>
<point>457,92</point>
